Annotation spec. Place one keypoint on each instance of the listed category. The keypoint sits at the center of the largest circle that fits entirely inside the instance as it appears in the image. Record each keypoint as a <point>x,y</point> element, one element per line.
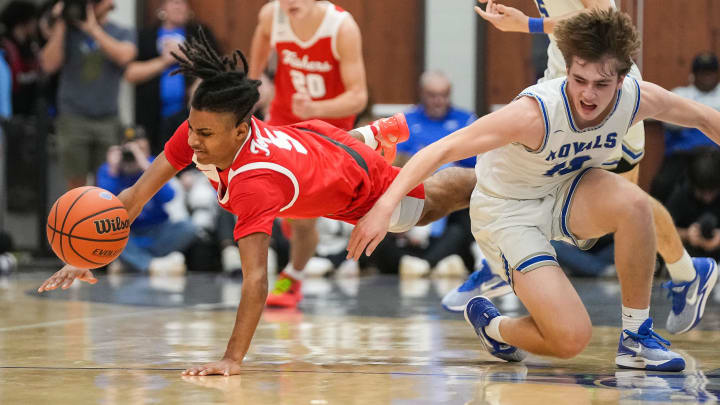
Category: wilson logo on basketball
<point>109,225</point>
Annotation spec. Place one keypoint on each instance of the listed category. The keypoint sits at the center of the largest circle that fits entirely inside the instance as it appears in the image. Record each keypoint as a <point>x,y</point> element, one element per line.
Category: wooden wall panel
<point>673,33</point>
<point>508,66</point>
<point>392,38</point>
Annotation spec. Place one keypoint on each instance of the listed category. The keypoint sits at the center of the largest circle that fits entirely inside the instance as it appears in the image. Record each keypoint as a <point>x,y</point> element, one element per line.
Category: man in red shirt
<point>320,74</point>
<point>261,172</point>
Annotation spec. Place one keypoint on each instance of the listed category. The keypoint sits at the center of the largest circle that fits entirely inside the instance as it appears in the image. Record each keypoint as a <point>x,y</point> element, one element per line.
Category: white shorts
<point>633,143</point>
<point>516,234</point>
<point>406,214</point>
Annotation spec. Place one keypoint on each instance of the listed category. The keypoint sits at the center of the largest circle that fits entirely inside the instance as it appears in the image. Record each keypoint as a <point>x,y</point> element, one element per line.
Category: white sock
<point>493,328</point>
<point>293,272</point>
<point>369,136</point>
<point>683,269</point>
<point>632,318</point>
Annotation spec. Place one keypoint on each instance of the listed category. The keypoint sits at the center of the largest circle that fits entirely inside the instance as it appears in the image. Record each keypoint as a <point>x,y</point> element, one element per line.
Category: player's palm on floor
<point>222,367</point>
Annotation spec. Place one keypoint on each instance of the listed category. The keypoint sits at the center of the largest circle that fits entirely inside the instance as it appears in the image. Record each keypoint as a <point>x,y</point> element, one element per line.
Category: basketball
<point>88,227</point>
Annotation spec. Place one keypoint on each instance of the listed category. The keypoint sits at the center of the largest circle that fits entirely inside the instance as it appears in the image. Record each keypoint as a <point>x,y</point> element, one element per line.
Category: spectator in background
<point>158,95</point>
<point>680,142</point>
<point>21,51</point>
<point>155,242</point>
<point>91,56</point>
<point>448,250</point>
<point>695,205</point>
<point>434,118</point>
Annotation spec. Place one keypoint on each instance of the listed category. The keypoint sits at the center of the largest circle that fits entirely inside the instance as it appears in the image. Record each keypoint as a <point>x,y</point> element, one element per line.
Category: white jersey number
<point>312,83</point>
<point>280,139</point>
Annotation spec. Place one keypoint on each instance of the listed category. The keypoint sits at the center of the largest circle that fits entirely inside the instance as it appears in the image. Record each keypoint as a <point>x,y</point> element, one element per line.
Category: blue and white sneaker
<point>478,313</point>
<point>481,282</point>
<point>689,297</point>
<point>646,350</point>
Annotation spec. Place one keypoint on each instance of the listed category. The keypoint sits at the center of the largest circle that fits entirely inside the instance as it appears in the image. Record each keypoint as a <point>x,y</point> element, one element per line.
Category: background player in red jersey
<point>261,172</point>
<point>320,74</point>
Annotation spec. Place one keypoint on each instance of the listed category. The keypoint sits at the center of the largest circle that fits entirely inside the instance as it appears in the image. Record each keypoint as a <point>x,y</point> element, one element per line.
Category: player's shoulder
<point>266,13</point>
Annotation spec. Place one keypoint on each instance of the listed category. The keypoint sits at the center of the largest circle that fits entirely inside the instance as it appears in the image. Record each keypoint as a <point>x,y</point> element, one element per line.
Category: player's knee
<point>571,340</point>
<point>637,205</point>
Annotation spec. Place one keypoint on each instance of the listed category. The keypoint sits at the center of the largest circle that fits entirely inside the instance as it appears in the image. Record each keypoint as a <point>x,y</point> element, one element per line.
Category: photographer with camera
<point>695,205</point>
<point>90,53</point>
<point>155,242</point>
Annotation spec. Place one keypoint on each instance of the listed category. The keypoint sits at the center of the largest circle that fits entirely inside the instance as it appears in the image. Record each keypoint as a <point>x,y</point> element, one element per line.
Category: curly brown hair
<point>597,34</point>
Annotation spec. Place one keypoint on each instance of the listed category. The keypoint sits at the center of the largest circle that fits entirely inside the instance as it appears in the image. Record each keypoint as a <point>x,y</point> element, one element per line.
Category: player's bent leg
<point>303,241</point>
<point>447,191</point>
<point>622,208</point>
<point>619,207</point>
<point>558,325</point>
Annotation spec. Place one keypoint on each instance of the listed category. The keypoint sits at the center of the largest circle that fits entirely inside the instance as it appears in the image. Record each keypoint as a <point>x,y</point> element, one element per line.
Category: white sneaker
<point>230,259</point>
<point>318,267</point>
<point>8,263</point>
<point>411,266</point>
<point>451,266</point>
<point>171,265</point>
<point>348,269</point>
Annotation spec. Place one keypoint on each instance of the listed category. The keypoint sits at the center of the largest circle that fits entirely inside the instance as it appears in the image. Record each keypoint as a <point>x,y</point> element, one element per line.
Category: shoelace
<point>649,340</point>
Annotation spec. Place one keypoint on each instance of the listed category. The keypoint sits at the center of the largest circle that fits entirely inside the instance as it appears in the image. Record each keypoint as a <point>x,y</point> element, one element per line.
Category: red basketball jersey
<point>307,170</point>
<point>311,66</point>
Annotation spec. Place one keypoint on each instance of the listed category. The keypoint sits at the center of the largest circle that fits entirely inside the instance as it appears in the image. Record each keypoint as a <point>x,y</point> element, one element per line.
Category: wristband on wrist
<point>535,25</point>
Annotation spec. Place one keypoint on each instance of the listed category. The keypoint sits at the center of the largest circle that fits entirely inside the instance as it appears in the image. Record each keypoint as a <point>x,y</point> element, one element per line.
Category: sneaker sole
<point>700,309</point>
<point>495,292</point>
<point>645,364</point>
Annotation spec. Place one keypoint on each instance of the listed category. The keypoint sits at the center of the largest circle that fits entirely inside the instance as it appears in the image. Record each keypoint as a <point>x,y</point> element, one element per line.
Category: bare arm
<point>667,106</point>
<point>141,71</point>
<point>260,45</point>
<point>134,199</point>
<point>119,52</point>
<point>253,252</point>
<point>52,55</point>
<point>352,71</point>
<point>510,19</point>
<point>520,121</point>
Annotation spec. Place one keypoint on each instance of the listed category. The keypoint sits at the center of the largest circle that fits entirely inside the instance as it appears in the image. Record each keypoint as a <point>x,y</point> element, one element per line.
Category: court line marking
<point>103,317</point>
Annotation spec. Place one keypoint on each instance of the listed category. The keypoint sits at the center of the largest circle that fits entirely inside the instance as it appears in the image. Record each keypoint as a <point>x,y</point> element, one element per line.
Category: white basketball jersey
<point>556,8</point>
<point>513,171</point>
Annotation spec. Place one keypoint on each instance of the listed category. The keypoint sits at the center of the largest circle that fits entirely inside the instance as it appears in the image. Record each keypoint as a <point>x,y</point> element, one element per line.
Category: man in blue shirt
<point>155,242</point>
<point>434,118</point>
<point>448,252</point>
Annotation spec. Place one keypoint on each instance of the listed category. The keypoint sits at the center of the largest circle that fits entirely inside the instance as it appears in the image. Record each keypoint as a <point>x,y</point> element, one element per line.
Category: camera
<point>76,10</point>
<point>127,155</point>
<point>708,222</point>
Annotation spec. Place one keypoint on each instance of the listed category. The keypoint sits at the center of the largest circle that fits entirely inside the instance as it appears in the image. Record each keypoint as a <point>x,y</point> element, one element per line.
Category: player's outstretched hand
<point>504,18</point>
<point>223,367</point>
<point>65,277</point>
<point>369,232</point>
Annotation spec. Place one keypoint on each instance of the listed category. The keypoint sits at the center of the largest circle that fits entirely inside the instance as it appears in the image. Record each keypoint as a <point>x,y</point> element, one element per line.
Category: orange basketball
<point>88,227</point>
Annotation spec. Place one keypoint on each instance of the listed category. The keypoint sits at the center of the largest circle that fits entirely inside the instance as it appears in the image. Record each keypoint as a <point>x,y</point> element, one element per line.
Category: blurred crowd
<point>65,62</point>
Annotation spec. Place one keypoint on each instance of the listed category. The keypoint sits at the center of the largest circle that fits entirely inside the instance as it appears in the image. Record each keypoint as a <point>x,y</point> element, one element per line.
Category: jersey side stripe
<point>637,101</point>
<point>545,117</point>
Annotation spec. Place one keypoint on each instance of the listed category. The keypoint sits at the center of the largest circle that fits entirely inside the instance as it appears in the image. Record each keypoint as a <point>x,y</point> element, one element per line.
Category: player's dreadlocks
<point>224,88</point>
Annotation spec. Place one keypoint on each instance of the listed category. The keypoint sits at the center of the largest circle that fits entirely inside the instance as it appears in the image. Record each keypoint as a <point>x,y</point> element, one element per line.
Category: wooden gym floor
<point>373,340</point>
